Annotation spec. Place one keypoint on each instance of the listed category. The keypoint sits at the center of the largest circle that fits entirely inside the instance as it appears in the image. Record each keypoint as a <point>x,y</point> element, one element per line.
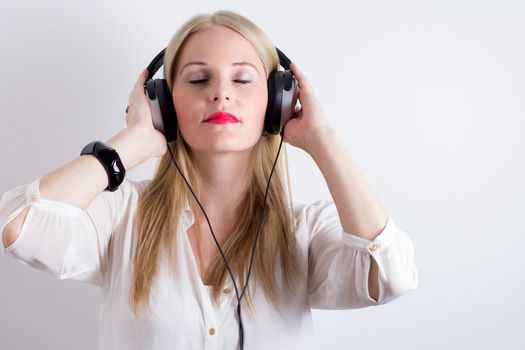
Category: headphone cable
<point>239,298</point>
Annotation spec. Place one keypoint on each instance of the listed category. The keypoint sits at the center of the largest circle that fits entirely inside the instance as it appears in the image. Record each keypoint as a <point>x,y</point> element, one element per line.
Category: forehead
<point>218,45</point>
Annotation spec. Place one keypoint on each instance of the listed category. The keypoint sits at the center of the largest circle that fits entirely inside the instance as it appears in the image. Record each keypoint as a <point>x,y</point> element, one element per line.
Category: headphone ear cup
<point>272,118</point>
<point>162,108</point>
<point>288,97</point>
<point>282,98</point>
<point>167,108</point>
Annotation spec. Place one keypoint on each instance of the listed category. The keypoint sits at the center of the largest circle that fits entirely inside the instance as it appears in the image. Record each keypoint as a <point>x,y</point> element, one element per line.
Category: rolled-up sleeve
<point>57,237</point>
<point>339,262</point>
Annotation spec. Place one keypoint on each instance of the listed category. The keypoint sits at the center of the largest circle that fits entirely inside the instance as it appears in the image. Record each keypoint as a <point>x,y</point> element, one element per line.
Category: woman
<point>154,251</point>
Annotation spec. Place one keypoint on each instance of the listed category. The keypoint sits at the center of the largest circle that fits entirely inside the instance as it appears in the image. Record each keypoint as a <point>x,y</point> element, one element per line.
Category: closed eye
<point>200,81</point>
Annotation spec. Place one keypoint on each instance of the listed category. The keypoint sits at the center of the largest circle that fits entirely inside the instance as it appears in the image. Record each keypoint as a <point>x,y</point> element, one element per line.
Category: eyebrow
<point>200,63</point>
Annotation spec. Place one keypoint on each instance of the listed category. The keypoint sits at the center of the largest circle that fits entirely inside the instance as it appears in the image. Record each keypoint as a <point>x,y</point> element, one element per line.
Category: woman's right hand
<point>139,117</point>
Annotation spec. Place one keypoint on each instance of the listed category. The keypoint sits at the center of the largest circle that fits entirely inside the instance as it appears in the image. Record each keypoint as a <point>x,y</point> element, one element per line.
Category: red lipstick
<point>221,118</point>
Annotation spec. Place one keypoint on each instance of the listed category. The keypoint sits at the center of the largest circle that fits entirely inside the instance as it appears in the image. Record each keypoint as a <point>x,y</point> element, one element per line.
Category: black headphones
<point>282,97</point>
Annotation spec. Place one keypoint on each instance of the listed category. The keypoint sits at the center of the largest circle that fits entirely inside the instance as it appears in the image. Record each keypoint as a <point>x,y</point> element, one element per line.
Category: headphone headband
<point>157,62</point>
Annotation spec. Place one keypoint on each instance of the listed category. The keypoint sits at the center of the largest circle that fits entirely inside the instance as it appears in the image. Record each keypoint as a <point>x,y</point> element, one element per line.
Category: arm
<point>82,179</point>
<point>79,181</point>
<point>375,246</point>
<point>375,257</point>
<point>360,212</point>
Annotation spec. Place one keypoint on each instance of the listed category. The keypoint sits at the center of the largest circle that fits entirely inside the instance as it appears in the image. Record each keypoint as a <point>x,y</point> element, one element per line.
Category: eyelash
<point>204,80</point>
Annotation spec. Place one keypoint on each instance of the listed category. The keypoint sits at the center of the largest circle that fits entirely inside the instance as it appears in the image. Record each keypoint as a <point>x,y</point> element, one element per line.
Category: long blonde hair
<point>160,204</point>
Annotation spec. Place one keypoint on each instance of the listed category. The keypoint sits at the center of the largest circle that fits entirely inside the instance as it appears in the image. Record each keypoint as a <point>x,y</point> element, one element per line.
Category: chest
<point>204,249</point>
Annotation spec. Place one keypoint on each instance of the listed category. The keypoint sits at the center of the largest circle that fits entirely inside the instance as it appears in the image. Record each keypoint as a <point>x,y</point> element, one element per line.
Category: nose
<point>221,91</point>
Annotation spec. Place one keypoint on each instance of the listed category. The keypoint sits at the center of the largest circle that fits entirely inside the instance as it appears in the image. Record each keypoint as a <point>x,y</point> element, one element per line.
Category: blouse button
<point>211,331</point>
<point>373,247</point>
<point>33,198</point>
<point>226,291</point>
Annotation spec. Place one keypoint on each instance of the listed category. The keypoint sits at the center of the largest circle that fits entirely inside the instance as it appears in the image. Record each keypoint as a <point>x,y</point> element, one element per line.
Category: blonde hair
<point>160,204</point>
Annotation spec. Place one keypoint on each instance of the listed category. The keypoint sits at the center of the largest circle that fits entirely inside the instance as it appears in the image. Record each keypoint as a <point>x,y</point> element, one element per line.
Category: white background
<point>428,97</point>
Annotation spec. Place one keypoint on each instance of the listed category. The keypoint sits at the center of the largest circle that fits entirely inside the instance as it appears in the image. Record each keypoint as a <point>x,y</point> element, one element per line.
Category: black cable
<point>262,215</point>
<point>239,298</point>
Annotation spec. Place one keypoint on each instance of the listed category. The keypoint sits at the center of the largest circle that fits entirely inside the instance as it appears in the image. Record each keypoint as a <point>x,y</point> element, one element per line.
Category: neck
<point>223,180</point>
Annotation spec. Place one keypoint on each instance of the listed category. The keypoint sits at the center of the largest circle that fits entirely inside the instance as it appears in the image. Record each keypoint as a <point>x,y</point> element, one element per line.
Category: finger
<point>138,88</point>
<point>141,79</point>
<point>301,78</point>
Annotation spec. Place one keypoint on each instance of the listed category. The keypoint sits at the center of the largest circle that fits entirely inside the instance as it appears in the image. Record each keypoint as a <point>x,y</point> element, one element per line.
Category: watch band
<point>110,159</point>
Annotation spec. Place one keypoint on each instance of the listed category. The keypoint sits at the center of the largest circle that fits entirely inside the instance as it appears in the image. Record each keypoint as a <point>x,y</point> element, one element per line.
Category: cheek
<point>183,108</point>
<point>183,102</point>
<point>258,101</point>
<point>179,99</point>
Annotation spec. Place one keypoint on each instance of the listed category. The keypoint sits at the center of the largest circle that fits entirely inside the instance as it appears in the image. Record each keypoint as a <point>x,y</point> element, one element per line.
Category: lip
<point>221,117</point>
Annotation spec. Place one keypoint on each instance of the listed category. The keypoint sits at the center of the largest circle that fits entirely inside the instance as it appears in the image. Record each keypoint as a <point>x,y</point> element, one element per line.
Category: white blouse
<point>97,246</point>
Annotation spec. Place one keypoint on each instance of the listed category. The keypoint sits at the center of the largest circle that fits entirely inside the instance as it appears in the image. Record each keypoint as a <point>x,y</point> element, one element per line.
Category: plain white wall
<point>429,99</point>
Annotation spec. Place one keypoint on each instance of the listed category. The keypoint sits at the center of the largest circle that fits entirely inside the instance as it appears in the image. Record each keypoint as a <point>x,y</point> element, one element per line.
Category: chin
<point>224,142</point>
<point>221,147</point>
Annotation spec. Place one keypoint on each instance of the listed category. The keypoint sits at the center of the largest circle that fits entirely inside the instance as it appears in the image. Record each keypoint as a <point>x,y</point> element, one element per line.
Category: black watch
<point>110,160</point>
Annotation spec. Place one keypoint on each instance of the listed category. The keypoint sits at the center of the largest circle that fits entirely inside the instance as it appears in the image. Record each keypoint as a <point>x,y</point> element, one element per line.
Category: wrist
<point>319,143</point>
<point>129,144</point>
<point>110,160</point>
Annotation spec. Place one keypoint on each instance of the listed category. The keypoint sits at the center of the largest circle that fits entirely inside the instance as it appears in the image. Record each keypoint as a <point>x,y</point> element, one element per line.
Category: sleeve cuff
<point>33,200</point>
<point>381,242</point>
<point>47,205</point>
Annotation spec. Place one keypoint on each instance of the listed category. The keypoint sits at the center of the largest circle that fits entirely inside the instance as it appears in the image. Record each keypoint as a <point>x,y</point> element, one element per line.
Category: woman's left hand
<point>309,121</point>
